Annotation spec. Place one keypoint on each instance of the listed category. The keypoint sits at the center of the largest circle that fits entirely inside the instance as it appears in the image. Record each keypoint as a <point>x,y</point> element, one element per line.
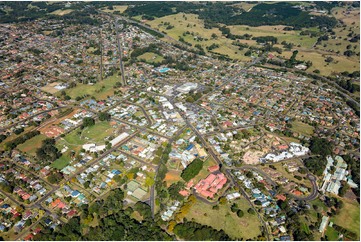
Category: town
<point>184,138</point>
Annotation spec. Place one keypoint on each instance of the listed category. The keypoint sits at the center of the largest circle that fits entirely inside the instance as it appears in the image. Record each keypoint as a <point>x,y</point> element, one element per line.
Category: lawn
<point>74,141</point>
<point>150,57</point>
<point>99,90</point>
<point>331,233</point>
<point>93,134</point>
<point>246,227</point>
<point>31,145</point>
<point>62,162</point>
<point>302,128</point>
<point>98,132</point>
<point>349,216</point>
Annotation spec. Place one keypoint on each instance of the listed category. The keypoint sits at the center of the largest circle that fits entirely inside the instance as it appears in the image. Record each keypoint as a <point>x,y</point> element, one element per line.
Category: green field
<point>99,90</point>
<point>331,233</point>
<point>150,57</point>
<point>277,31</point>
<point>93,134</point>
<point>74,141</point>
<point>350,213</point>
<point>191,22</point>
<point>246,227</point>
<point>31,145</point>
<point>302,128</point>
<point>119,8</point>
<point>97,132</point>
<point>62,162</point>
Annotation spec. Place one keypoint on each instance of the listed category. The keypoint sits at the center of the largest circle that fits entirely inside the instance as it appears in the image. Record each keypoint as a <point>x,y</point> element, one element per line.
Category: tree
<point>87,121</point>
<point>240,213</point>
<point>344,188</point>
<point>192,169</point>
<point>234,208</point>
<point>251,211</point>
<point>104,116</point>
<point>174,189</point>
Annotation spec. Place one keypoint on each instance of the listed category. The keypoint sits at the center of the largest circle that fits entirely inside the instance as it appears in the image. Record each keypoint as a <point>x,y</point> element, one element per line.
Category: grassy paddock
<point>302,128</point>
<point>246,227</point>
<point>95,90</point>
<point>31,145</point>
<point>350,213</point>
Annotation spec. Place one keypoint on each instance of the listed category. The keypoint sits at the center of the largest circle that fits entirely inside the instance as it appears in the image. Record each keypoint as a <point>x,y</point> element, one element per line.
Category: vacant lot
<point>50,88</point>
<point>302,128</point>
<point>97,132</point>
<point>246,227</point>
<point>74,141</point>
<point>172,177</point>
<point>31,145</point>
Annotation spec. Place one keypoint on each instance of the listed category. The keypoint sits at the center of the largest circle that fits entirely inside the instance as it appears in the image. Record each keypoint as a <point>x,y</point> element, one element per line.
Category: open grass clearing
<point>62,12</point>
<point>331,233</point>
<point>99,90</point>
<point>302,128</point>
<point>246,227</point>
<point>97,132</point>
<point>350,213</point>
<point>276,31</point>
<point>190,22</point>
<point>93,134</point>
<point>31,145</point>
<point>247,6</point>
<point>150,57</point>
<point>62,162</point>
<point>120,8</point>
<point>341,63</point>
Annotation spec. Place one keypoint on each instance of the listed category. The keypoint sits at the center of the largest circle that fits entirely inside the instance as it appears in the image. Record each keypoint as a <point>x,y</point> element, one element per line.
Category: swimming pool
<point>164,70</point>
